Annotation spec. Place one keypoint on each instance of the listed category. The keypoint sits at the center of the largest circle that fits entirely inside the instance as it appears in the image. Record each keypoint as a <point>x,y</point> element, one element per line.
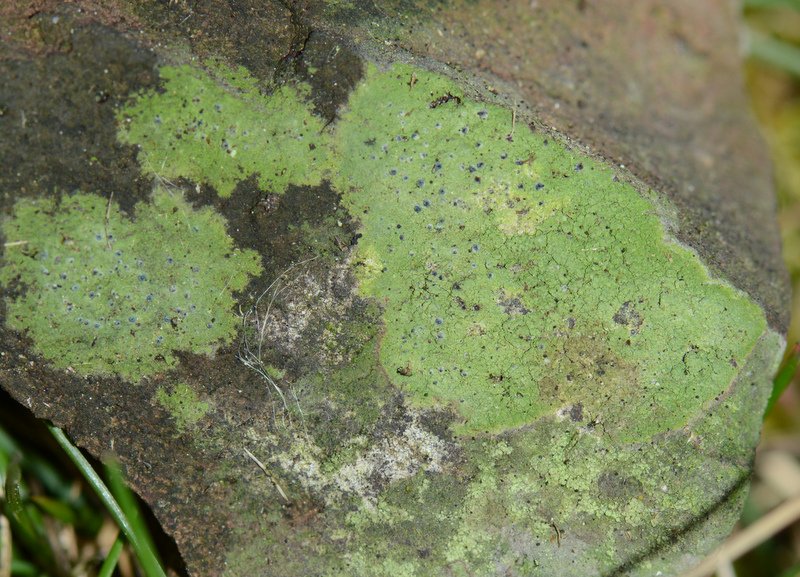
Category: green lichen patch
<point>519,277</point>
<point>219,129</point>
<point>104,294</point>
<point>183,404</point>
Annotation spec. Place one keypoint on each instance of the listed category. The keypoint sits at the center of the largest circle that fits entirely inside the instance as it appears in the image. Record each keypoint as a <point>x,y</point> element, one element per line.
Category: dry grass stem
<point>749,538</point>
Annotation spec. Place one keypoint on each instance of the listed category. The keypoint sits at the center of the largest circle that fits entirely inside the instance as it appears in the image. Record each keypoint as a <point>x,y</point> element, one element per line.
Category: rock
<point>351,290</point>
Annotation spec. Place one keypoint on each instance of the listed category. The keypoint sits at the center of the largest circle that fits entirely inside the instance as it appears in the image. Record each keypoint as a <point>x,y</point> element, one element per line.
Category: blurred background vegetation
<point>772,49</point>
<point>59,526</point>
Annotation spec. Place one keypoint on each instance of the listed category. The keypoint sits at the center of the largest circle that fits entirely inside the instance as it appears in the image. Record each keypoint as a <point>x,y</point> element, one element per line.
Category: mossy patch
<point>222,130</point>
<point>183,404</point>
<point>104,294</point>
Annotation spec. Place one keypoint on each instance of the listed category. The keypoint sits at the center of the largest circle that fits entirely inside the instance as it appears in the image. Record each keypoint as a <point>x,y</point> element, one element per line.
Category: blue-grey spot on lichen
<point>104,294</point>
<point>222,132</point>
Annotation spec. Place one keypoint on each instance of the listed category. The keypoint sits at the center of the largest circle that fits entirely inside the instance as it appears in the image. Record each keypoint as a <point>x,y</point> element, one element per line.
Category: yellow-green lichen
<point>105,294</point>
<point>183,404</point>
<point>519,277</point>
<point>224,130</point>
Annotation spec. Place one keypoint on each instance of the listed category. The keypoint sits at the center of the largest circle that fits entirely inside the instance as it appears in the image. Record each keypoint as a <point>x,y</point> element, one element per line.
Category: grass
<point>58,520</point>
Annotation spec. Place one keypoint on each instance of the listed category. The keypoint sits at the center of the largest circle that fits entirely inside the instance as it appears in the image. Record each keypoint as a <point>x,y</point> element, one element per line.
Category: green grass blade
<point>110,563</point>
<point>16,511</point>
<point>57,509</point>
<point>144,553</point>
<point>774,52</point>
<point>784,377</point>
<point>20,568</point>
<point>26,527</point>
<point>128,503</point>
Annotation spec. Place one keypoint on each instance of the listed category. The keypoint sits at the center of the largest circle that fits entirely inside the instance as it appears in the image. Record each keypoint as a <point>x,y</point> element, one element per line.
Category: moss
<point>223,130</point>
<point>184,405</point>
<point>104,294</point>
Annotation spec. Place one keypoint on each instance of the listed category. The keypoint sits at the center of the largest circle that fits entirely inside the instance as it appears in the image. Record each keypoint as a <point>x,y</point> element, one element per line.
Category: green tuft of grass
<point>119,503</point>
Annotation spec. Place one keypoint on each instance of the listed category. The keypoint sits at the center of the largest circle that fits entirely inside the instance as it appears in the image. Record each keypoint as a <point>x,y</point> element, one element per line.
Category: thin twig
<point>108,217</point>
<point>726,569</point>
<point>267,473</point>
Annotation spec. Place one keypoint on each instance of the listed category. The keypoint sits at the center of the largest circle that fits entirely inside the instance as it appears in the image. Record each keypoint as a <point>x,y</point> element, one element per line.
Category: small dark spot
<point>417,208</point>
<point>628,315</point>
<point>444,99</point>
<point>405,371</point>
<point>513,307</point>
<point>579,166</point>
